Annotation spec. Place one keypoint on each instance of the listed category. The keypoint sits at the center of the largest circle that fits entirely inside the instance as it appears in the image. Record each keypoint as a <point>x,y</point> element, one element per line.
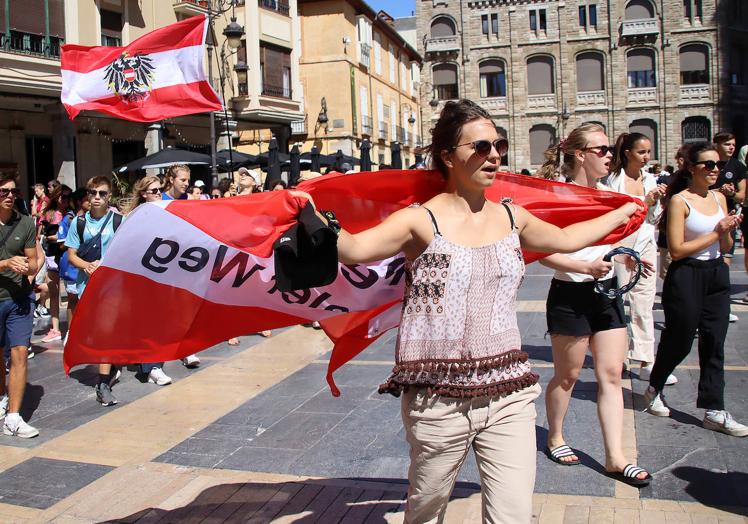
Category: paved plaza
<point>254,435</point>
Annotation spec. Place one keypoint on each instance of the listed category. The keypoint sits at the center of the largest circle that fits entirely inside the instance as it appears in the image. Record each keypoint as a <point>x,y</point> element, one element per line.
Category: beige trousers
<point>641,304</point>
<point>501,431</point>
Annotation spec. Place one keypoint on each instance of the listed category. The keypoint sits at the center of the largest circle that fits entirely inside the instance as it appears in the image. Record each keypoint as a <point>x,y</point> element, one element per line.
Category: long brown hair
<point>135,198</point>
<point>576,140</point>
<point>625,142</point>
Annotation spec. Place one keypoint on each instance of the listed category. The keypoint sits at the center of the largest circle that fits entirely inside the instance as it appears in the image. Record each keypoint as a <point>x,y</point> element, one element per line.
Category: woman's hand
<point>598,268</point>
<point>729,223</point>
<point>91,267</point>
<point>655,195</point>
<point>630,263</point>
<point>727,189</point>
<point>303,194</point>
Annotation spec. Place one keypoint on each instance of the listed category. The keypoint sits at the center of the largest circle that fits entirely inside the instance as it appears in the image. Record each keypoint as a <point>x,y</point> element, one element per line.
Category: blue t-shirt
<point>167,196</point>
<point>92,228</point>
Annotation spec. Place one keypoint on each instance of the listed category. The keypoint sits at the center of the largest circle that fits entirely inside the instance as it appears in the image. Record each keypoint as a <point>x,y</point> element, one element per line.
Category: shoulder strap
<point>80,225</point>
<point>116,221</point>
<point>433,221</point>
<point>686,201</point>
<point>505,202</point>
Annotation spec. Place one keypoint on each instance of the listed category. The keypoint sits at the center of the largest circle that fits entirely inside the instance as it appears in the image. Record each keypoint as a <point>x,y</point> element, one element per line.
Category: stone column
<point>153,143</point>
<point>63,145</point>
<point>225,133</point>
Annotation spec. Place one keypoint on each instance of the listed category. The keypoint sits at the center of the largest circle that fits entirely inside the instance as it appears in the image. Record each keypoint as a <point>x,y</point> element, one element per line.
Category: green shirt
<point>15,236</point>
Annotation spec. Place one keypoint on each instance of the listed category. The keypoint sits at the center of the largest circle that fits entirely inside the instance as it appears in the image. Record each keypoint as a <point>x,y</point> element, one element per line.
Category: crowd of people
<point>464,379</point>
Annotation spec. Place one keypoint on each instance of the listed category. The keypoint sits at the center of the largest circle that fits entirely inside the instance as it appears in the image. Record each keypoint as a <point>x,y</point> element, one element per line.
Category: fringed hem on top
<point>489,390</point>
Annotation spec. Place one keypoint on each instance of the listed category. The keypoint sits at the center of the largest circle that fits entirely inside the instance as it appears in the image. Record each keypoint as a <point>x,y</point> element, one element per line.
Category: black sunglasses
<point>601,151</point>
<point>4,192</point>
<point>483,147</point>
<point>215,196</point>
<point>92,193</point>
<point>154,191</point>
<point>711,164</point>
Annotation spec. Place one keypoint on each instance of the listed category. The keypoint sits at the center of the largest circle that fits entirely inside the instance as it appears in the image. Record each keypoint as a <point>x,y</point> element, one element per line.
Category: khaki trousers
<point>641,304</point>
<point>501,431</point>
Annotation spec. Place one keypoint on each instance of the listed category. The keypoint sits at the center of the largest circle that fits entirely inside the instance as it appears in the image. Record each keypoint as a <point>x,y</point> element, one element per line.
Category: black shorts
<point>575,309</point>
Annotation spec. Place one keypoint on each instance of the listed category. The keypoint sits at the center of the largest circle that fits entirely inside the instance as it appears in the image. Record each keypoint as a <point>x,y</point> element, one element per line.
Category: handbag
<point>90,250</point>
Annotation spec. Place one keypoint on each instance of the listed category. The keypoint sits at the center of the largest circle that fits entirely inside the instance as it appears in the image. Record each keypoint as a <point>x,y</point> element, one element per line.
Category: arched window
<point>694,64</point>
<point>442,26</point>
<point>648,128</point>
<point>492,78</point>
<point>445,81</point>
<point>542,136</point>
<point>696,129</point>
<point>540,75</point>
<point>640,64</point>
<point>639,9</point>
<point>590,76</point>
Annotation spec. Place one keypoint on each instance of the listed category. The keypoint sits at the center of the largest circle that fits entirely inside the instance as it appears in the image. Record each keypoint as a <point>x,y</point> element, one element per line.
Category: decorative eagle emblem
<point>130,76</point>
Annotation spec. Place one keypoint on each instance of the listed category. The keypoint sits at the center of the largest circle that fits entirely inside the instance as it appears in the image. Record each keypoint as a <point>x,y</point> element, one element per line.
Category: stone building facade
<point>542,67</point>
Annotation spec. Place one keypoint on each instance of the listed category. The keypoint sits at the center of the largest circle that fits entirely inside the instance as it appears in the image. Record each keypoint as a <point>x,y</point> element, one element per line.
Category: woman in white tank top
<point>696,292</point>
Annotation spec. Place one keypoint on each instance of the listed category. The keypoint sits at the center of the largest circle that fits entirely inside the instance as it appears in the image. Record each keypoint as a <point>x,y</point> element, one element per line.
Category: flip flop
<point>629,475</point>
<point>556,454</point>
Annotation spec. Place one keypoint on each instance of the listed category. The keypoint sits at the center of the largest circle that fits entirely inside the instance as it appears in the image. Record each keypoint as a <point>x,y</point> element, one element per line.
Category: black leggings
<point>696,294</point>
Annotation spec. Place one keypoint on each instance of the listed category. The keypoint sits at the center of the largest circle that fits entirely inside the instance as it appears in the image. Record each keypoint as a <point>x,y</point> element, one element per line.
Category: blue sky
<point>396,8</point>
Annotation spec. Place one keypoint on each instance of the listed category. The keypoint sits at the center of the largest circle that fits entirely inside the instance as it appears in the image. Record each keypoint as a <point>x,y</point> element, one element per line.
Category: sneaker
<point>191,361</point>
<point>114,375</point>
<point>723,422</point>
<point>646,371</point>
<point>30,354</point>
<point>655,403</point>
<point>158,377</point>
<point>21,429</point>
<point>733,318</point>
<point>53,335</point>
<point>104,395</point>
<point>41,312</point>
<point>3,405</point>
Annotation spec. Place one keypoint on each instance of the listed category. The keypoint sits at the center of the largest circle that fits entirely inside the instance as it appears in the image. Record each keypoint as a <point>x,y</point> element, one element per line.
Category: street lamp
<point>233,33</point>
<point>241,69</point>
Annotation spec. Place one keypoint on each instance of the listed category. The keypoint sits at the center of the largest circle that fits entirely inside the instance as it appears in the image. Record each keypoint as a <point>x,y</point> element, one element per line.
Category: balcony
<point>494,105</point>
<point>642,95</point>
<point>541,102</point>
<point>276,91</point>
<point>298,127</point>
<point>442,45</point>
<point>694,94</point>
<point>364,54</point>
<point>279,6</point>
<point>191,7</point>
<point>591,99</point>
<point>642,30</point>
<point>31,44</point>
<point>367,125</point>
<point>382,134</point>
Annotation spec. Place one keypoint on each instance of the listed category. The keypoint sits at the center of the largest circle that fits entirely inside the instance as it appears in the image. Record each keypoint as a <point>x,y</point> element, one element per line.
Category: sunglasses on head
<point>711,164</point>
<point>601,151</point>
<point>483,147</point>
<point>92,193</point>
<point>154,191</point>
<point>4,192</point>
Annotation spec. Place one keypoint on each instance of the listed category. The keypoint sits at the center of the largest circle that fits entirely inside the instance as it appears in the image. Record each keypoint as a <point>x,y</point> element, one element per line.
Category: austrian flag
<point>159,75</point>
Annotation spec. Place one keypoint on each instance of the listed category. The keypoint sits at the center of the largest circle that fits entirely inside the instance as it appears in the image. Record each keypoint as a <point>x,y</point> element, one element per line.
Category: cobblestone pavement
<point>254,435</point>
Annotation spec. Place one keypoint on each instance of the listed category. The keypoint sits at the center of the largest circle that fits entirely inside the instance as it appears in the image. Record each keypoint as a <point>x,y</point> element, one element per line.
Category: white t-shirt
<point>589,254</point>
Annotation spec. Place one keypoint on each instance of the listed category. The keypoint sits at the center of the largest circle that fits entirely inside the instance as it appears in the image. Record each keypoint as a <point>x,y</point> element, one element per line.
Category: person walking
<point>79,205</point>
<point>579,318</point>
<point>18,261</point>
<point>459,367</point>
<point>696,292</point>
<point>628,175</point>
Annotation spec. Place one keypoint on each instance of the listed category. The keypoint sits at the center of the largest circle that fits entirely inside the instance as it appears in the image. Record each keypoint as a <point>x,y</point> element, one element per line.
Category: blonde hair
<point>135,198</point>
<point>576,140</point>
<point>171,173</point>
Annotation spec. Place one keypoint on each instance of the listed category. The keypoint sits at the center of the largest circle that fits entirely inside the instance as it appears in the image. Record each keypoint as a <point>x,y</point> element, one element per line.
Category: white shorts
<point>51,264</point>
<point>71,288</point>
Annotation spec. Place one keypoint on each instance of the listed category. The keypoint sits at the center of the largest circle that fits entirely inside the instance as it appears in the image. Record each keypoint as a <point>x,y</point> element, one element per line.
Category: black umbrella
<point>274,171</point>
<point>365,158</point>
<point>295,173</point>
<point>396,160</point>
<point>166,158</point>
<point>338,165</point>
<point>263,159</point>
<point>315,159</point>
<point>233,160</point>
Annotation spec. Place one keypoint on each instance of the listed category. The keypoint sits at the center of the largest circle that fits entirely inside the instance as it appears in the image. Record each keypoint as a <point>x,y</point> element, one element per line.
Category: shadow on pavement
<point>726,490</point>
<point>306,501</point>
<point>32,397</point>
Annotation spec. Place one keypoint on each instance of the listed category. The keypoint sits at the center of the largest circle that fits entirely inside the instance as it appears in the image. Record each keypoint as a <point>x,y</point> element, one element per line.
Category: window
<point>275,69</point>
<point>484,24</point>
<point>540,75</point>
<point>542,136</point>
<point>647,128</point>
<point>692,10</point>
<point>588,16</point>
<point>640,64</point>
<point>696,129</point>
<point>403,75</point>
<point>495,24</point>
<point>442,27</point>
<point>593,15</point>
<point>111,28</point>
<point>583,16</point>
<point>377,53</point>
<point>537,21</point>
<point>393,121</point>
<point>639,10</point>
<point>694,64</point>
<point>392,64</point>
<point>492,78</point>
<point>445,81</point>
<point>590,75</point>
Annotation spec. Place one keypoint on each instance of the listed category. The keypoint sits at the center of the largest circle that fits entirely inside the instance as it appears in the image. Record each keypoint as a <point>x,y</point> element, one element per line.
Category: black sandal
<point>556,454</point>
<point>630,475</point>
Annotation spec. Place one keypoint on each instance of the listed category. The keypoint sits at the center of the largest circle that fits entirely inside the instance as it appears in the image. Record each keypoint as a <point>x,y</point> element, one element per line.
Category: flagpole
<point>209,44</point>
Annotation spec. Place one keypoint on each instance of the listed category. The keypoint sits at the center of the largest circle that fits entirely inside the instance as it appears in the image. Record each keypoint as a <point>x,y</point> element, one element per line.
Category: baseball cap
<point>199,183</point>
<point>251,172</point>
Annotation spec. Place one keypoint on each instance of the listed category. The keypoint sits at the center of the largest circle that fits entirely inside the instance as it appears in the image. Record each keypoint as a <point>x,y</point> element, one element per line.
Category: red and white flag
<point>181,276</point>
<point>159,75</point>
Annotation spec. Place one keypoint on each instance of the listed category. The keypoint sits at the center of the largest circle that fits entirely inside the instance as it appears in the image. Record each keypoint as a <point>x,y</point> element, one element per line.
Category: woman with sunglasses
<point>628,175</point>
<point>696,292</point>
<point>579,318</point>
<point>459,367</point>
<point>52,214</point>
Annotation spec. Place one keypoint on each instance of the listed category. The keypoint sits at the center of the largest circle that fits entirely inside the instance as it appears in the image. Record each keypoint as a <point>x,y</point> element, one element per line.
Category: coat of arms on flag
<point>130,76</point>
